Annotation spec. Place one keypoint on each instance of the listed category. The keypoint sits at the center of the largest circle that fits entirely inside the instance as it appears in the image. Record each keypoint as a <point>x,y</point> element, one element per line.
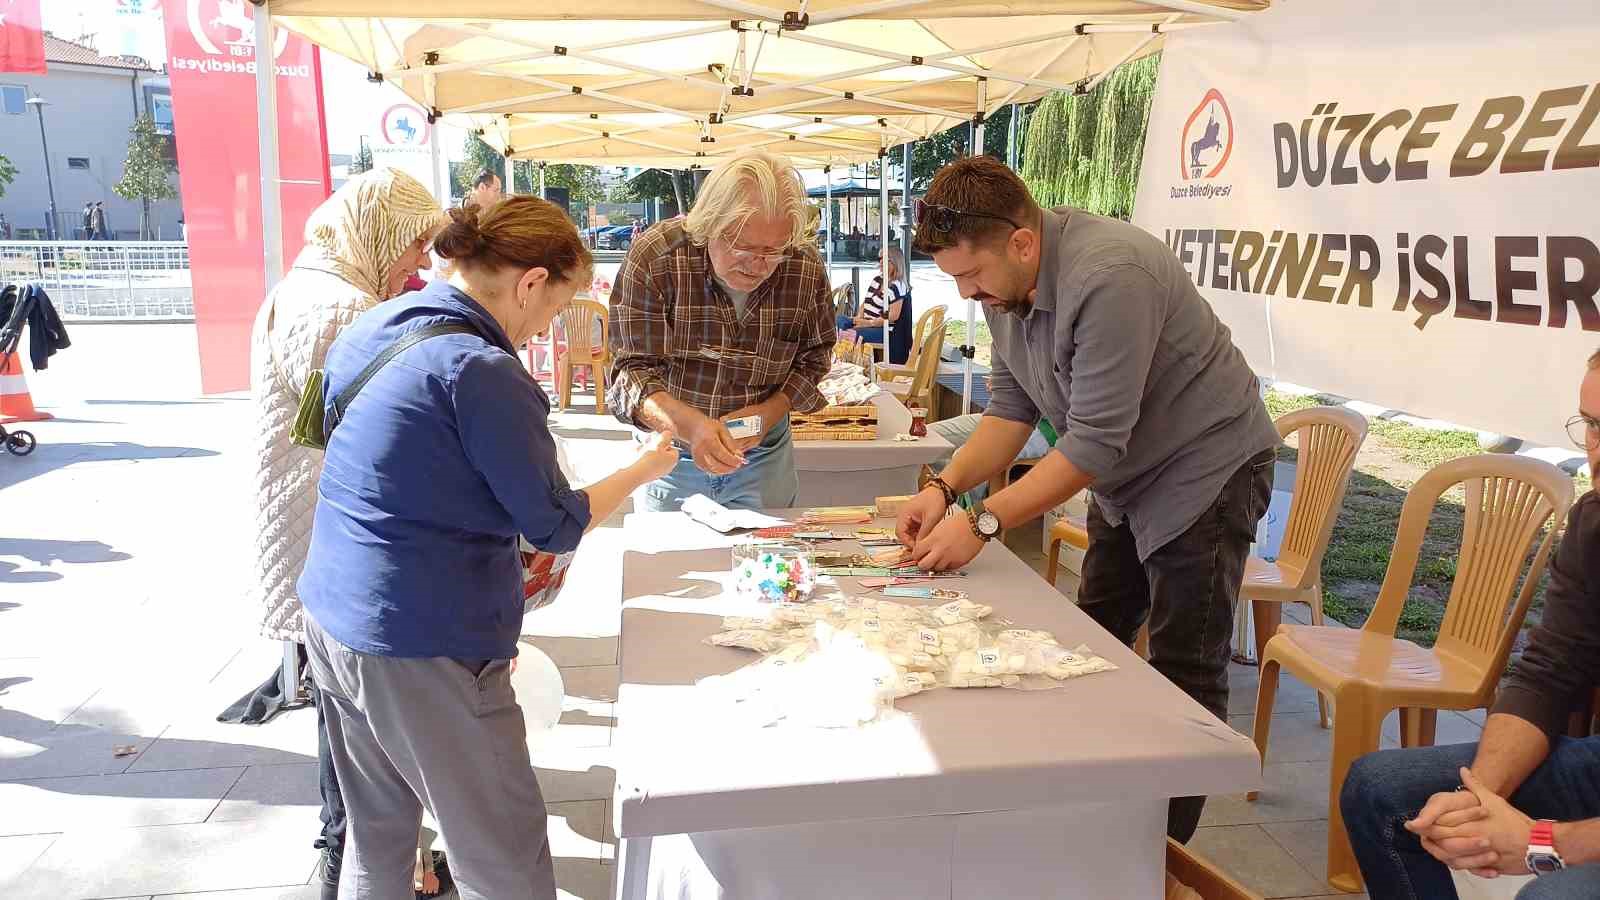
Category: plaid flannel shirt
<point>673,329</point>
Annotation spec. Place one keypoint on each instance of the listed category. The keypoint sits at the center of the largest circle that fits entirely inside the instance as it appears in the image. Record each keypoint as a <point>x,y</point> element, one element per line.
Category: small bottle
<point>919,422</point>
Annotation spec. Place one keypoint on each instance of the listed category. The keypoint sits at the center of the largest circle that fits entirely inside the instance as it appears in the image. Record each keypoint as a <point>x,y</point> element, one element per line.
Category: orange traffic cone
<point>16,404</point>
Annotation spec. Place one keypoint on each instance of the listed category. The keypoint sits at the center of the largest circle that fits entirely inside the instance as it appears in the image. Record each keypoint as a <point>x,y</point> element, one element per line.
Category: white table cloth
<point>964,793</point>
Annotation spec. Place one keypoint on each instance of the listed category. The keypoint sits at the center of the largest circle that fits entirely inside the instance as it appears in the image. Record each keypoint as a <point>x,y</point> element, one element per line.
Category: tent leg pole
<point>976,147</point>
<point>883,246</point>
<point>267,147</point>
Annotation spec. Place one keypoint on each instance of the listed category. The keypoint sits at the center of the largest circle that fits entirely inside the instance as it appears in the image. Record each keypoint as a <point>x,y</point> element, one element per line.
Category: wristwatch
<point>1542,858</point>
<point>985,524</point>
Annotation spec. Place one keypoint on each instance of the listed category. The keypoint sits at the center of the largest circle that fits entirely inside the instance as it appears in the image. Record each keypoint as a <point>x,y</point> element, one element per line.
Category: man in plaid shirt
<point>722,315</point>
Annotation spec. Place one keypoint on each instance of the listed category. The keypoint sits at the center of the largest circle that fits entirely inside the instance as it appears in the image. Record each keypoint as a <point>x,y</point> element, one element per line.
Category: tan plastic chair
<point>577,321</point>
<point>844,303</point>
<point>920,394</point>
<point>1369,672</point>
<point>1330,437</point>
<point>928,323</point>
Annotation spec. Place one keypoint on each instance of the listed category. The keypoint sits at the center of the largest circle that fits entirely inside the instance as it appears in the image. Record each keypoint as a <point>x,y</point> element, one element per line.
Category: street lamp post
<point>38,104</point>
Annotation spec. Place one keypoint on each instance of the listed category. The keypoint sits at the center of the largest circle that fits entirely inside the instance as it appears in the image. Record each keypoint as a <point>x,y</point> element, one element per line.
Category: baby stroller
<point>18,442</point>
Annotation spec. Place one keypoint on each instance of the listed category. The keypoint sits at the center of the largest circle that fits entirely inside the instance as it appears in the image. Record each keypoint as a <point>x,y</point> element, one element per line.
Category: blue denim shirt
<point>439,463</point>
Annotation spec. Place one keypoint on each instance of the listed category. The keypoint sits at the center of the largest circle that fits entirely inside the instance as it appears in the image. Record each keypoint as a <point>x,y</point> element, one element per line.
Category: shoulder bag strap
<point>342,401</point>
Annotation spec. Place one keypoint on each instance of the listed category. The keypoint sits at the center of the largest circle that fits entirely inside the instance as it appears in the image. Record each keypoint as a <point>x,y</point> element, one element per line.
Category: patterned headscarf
<point>366,226</point>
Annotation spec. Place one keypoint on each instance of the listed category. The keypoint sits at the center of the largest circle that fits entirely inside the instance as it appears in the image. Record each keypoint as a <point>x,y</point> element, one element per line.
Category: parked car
<point>615,237</point>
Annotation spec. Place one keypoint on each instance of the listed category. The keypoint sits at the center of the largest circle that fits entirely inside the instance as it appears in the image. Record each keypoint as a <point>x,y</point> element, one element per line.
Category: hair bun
<point>461,239</point>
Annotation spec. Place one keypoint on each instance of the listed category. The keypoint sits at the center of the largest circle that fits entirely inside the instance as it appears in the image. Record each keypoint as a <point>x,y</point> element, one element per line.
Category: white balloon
<point>539,688</point>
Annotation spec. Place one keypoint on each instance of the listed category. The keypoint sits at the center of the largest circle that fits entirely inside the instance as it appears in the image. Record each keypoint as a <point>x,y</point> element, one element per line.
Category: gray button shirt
<point>1138,376</point>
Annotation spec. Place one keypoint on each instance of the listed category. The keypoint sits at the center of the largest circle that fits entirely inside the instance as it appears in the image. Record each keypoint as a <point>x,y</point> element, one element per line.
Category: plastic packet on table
<point>714,515</point>
<point>759,640</point>
<point>1029,663</point>
<point>831,681</point>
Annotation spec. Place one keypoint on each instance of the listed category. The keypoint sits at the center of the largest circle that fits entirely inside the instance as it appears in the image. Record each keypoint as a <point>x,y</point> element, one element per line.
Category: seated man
<point>1531,796</point>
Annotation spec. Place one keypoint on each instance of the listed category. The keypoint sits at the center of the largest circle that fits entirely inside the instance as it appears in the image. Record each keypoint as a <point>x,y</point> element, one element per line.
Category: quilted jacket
<point>293,330</point>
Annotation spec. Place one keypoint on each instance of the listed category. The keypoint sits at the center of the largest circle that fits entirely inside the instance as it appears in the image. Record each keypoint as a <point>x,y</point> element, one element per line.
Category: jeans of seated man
<point>767,480</point>
<point>960,429</point>
<point>1385,789</point>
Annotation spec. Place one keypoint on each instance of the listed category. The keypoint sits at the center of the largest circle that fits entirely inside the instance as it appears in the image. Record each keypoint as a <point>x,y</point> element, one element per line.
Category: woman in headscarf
<point>361,246</point>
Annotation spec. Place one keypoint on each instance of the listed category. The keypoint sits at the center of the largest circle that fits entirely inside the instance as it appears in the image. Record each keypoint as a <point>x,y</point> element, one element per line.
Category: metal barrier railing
<point>105,279</point>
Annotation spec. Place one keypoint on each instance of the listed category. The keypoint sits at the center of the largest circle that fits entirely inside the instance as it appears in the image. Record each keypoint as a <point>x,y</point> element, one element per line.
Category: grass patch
<point>1280,404</point>
<point>955,334</point>
<point>1425,447</point>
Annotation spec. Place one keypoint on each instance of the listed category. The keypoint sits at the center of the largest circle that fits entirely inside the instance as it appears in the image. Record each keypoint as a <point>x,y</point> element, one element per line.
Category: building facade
<point>91,103</point>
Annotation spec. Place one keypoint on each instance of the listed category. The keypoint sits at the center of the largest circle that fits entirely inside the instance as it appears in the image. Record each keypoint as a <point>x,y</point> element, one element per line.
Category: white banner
<point>402,142</point>
<point>1394,202</point>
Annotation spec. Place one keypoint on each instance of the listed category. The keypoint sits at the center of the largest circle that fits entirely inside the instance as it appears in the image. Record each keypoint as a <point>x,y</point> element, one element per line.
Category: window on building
<point>78,162</point>
<point>13,99</point>
<point>161,111</point>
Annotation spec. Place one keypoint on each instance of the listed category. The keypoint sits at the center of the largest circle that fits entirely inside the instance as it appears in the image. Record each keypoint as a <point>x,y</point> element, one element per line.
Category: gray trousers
<point>412,733</point>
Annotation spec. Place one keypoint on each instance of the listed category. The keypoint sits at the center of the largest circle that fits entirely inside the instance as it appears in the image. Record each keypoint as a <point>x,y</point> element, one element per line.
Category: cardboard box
<point>890,506</point>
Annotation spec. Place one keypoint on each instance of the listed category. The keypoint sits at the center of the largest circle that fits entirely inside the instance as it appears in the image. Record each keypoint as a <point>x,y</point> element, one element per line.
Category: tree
<point>929,156</point>
<point>8,174</point>
<point>146,174</point>
<point>656,184</point>
<point>582,182</point>
<point>479,156</point>
<point>363,160</point>
<point>1084,150</point>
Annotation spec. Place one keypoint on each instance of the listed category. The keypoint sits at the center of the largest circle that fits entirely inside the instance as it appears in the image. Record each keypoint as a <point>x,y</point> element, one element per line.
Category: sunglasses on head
<point>943,218</point>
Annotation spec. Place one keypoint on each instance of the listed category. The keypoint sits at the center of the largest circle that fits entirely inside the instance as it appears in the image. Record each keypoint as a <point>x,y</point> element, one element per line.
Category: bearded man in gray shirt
<point>1098,328</point>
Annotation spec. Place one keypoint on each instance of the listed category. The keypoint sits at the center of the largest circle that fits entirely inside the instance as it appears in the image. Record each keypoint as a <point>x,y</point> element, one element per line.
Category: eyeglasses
<point>1584,431</point>
<point>943,218</point>
<point>745,257</point>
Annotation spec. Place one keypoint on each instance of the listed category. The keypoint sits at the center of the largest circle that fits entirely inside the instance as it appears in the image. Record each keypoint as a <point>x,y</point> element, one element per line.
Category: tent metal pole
<point>966,352</point>
<point>511,176</point>
<point>905,209</point>
<point>833,226</point>
<point>271,221</point>
<point>1013,152</point>
<point>267,148</point>
<point>883,245</point>
<point>542,195</point>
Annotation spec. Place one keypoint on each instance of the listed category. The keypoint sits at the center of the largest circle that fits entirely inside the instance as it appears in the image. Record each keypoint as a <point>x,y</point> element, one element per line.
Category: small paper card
<point>745,427</point>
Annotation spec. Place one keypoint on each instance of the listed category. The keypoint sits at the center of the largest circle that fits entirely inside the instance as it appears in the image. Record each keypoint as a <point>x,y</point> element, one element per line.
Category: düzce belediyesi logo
<point>405,125</point>
<point>227,28</point>
<point>1207,139</point>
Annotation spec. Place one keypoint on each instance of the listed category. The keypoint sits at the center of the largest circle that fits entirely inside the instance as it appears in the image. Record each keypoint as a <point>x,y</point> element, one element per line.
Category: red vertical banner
<point>211,60</point>
<point>21,37</point>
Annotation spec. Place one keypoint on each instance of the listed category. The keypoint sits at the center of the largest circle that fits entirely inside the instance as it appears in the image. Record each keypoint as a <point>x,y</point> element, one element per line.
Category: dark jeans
<point>333,814</point>
<point>1385,789</point>
<point>1187,590</point>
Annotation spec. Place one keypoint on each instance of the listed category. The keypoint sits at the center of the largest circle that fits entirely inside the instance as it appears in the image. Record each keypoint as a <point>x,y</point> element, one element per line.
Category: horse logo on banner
<point>1207,138</point>
<point>230,23</point>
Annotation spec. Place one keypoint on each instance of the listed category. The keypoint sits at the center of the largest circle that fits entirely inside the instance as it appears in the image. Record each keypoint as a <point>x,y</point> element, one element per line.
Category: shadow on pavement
<point>46,552</point>
<point>52,456</point>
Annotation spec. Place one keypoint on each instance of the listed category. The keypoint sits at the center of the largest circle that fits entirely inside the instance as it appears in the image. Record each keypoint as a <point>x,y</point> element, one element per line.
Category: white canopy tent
<point>684,83</point>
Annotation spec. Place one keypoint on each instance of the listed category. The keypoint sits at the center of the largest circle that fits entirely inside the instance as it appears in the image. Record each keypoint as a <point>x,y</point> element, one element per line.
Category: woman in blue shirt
<point>413,584</point>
